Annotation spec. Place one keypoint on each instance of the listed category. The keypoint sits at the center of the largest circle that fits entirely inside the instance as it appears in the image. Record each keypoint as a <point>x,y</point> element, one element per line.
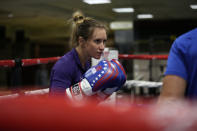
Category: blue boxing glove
<point>104,74</point>
<point>100,75</point>
<point>107,74</point>
<point>116,83</point>
<point>120,78</point>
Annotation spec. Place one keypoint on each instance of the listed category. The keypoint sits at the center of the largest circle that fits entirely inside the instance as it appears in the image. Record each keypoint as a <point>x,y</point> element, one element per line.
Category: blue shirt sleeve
<point>176,64</point>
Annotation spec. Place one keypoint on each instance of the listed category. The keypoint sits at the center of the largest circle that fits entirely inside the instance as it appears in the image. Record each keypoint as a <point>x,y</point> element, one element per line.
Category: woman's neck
<point>82,56</point>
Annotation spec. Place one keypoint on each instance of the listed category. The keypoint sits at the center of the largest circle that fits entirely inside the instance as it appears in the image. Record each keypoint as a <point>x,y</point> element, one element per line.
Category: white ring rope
<point>147,84</point>
<point>129,84</point>
<point>37,92</point>
<point>27,93</point>
<point>9,96</point>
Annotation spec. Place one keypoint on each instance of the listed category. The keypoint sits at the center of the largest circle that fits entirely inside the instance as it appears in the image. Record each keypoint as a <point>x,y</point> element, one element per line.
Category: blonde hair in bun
<point>78,17</point>
<point>83,27</point>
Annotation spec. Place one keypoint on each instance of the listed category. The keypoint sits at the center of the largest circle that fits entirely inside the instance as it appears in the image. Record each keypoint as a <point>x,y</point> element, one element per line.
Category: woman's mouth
<point>100,53</point>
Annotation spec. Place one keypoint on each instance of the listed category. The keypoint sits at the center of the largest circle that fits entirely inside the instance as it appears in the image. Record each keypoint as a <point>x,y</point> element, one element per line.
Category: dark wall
<point>146,29</point>
<point>157,36</point>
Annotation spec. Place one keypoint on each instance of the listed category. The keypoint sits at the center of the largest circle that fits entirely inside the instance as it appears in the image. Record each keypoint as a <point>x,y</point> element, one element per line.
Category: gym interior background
<point>40,29</point>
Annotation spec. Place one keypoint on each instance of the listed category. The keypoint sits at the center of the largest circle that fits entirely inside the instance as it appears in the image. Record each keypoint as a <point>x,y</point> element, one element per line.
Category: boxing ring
<point>34,110</point>
<point>18,64</point>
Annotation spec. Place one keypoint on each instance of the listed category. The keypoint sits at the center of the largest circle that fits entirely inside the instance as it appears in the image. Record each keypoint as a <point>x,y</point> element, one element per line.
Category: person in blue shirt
<point>180,81</point>
<point>89,37</point>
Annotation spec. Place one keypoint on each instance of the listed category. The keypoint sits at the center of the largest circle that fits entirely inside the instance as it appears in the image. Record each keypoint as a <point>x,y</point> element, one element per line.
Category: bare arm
<point>173,89</point>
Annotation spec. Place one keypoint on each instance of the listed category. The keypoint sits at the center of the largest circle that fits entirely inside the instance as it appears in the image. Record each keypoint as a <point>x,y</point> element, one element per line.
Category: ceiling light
<point>120,25</point>
<point>123,10</point>
<point>193,6</point>
<point>97,1</point>
<point>144,16</point>
<point>10,15</point>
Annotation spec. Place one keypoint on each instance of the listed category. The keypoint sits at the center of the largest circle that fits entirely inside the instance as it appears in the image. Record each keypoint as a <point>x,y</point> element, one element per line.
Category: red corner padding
<point>34,114</point>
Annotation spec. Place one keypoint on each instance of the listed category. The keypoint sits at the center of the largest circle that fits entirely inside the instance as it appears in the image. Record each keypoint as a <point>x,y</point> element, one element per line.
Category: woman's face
<point>95,45</point>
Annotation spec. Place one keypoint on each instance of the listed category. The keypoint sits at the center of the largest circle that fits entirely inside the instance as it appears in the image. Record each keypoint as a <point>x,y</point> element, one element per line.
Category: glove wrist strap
<point>79,90</point>
<point>86,88</point>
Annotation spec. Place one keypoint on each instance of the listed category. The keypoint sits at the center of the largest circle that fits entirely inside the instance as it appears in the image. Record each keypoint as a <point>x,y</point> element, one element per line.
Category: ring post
<point>16,80</point>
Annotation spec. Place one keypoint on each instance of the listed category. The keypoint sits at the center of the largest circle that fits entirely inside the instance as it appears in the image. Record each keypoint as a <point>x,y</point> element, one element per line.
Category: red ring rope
<point>29,62</point>
<point>36,61</point>
<point>144,57</point>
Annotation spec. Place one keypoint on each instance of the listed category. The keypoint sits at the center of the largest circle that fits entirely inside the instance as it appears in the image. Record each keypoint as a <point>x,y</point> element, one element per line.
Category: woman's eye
<point>98,41</point>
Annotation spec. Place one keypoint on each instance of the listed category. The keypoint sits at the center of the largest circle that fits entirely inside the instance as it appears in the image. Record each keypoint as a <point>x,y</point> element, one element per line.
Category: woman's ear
<point>81,41</point>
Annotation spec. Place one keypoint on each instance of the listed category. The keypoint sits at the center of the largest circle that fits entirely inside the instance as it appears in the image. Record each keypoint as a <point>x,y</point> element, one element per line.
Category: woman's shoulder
<point>67,61</point>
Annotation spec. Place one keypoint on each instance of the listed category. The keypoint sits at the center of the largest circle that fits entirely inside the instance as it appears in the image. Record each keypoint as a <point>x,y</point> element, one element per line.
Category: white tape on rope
<point>147,84</point>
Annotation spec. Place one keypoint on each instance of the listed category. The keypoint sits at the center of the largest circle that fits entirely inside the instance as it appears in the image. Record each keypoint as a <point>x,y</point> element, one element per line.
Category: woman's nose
<point>102,46</point>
